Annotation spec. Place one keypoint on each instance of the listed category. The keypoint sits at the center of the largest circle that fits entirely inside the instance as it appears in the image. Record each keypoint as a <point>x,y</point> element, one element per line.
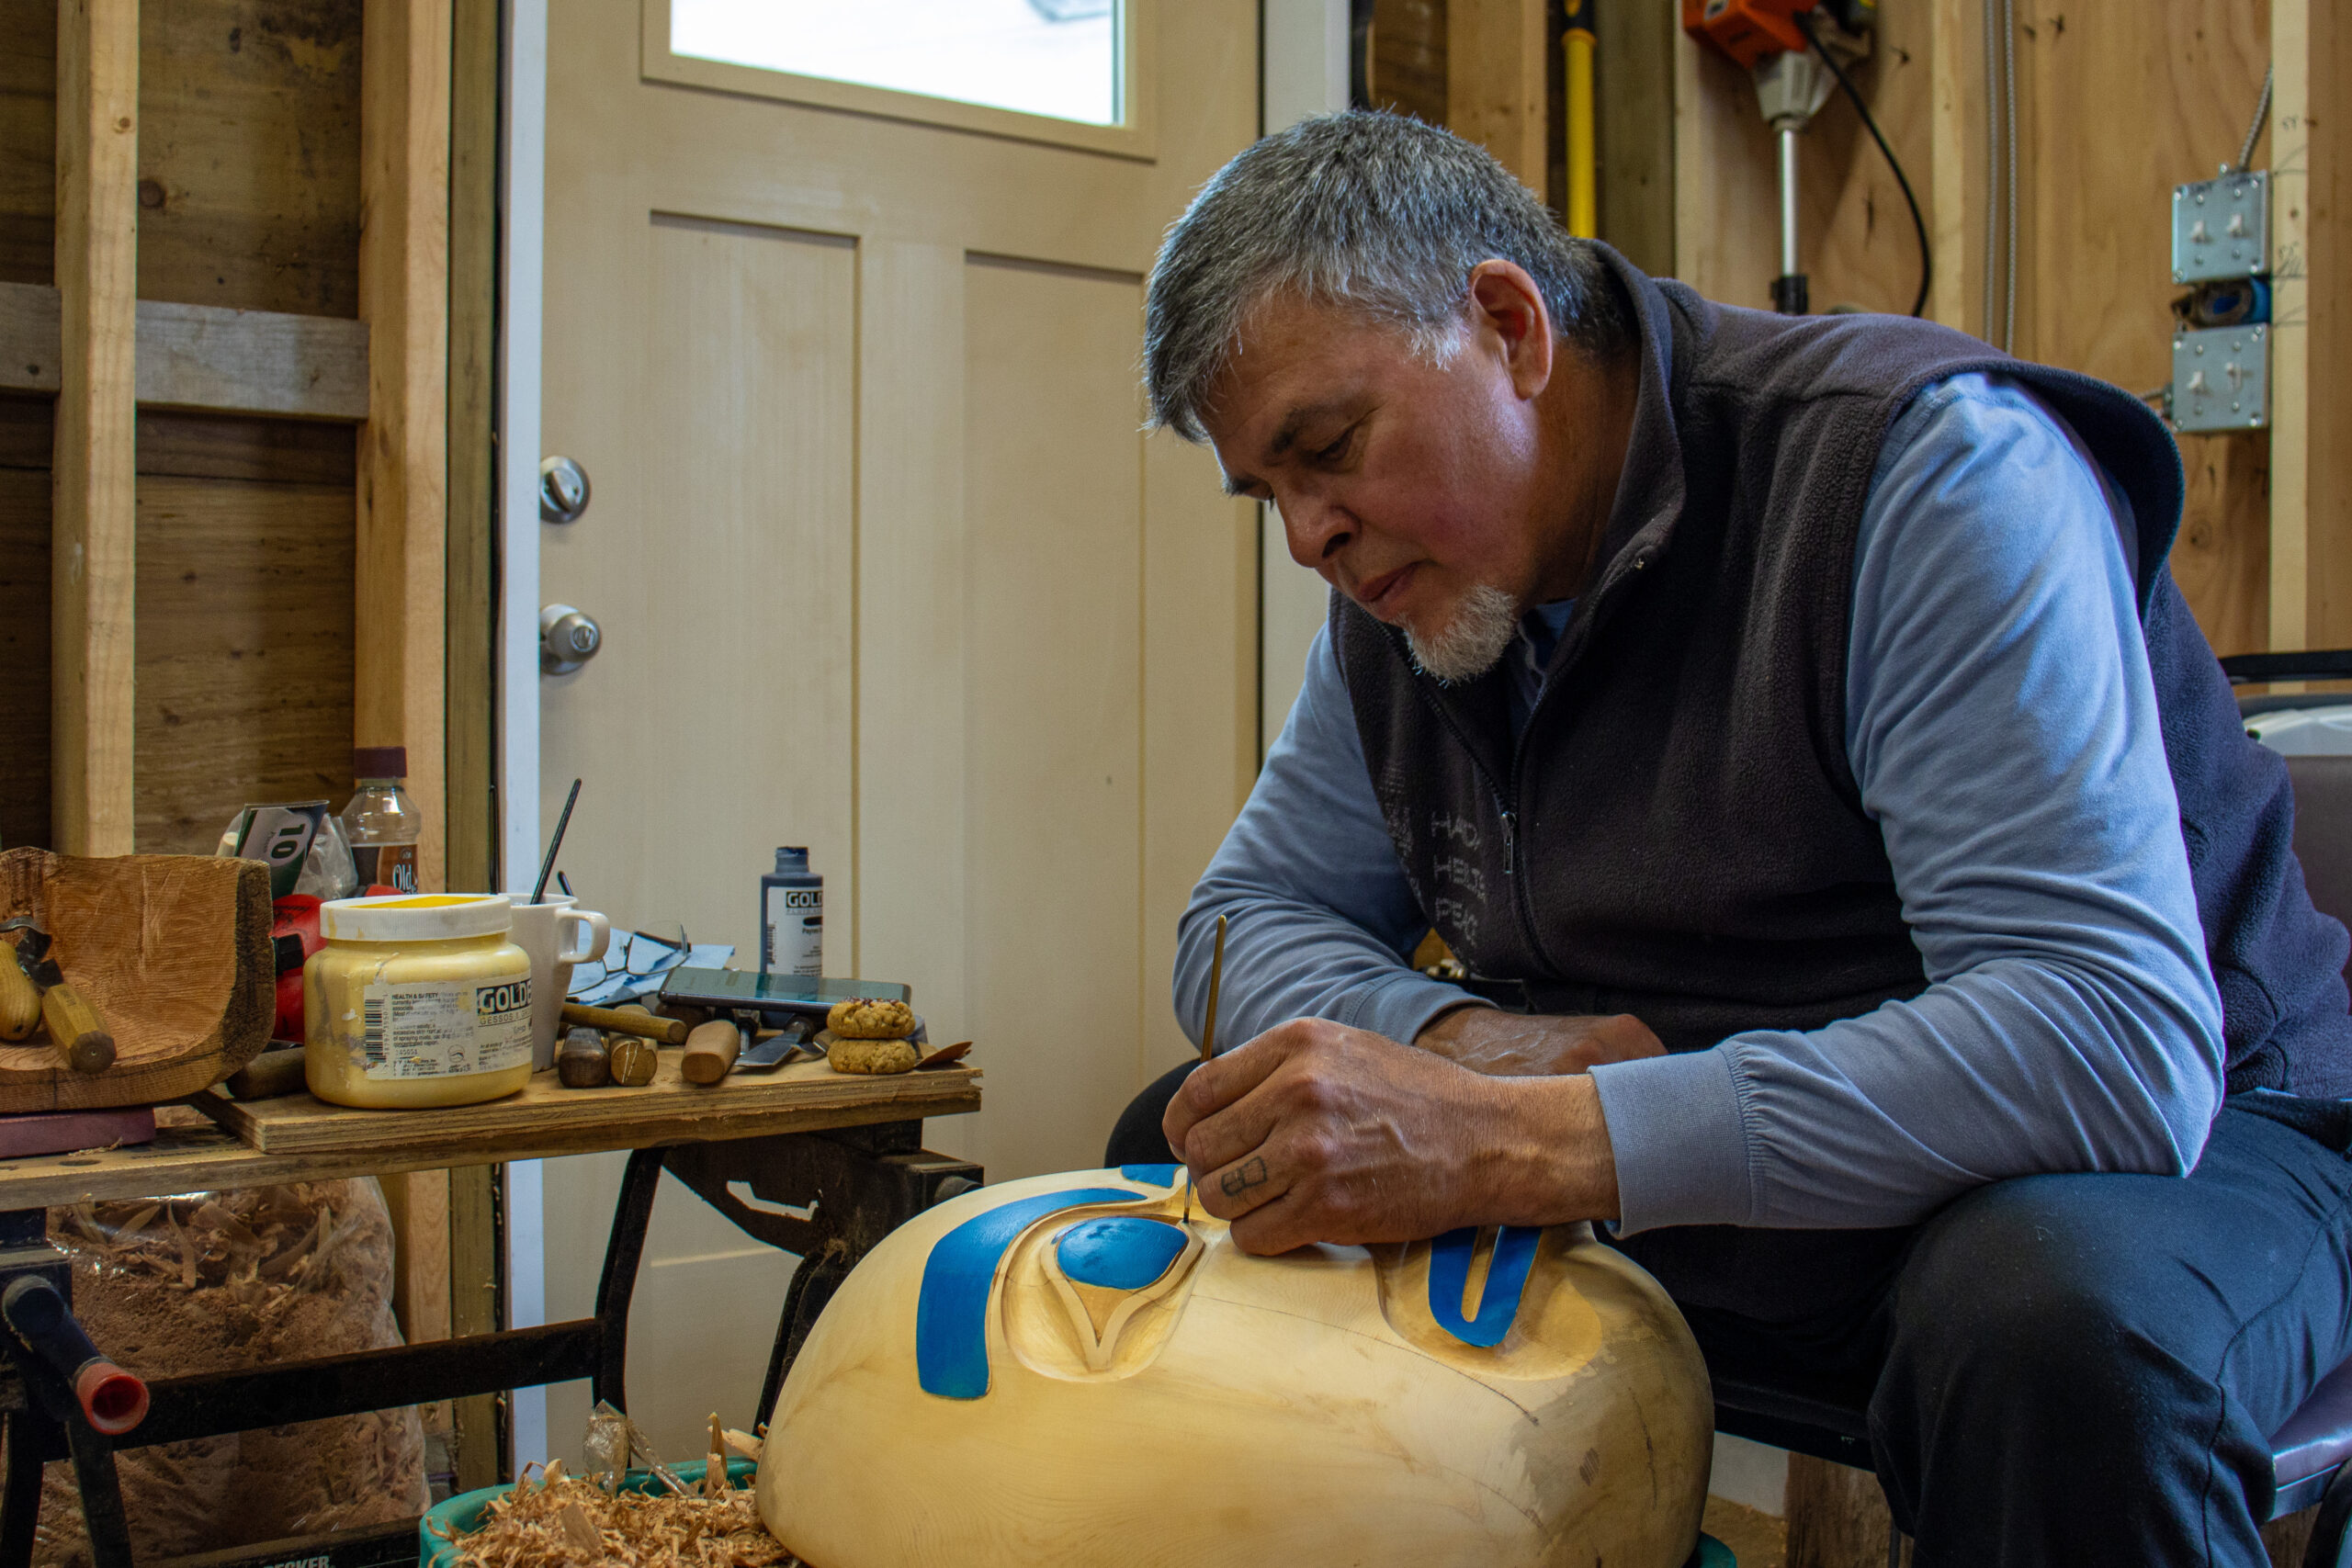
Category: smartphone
<point>725,988</point>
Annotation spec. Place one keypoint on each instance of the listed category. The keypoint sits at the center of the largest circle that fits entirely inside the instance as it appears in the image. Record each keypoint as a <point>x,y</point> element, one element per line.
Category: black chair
<point>2307,1453</point>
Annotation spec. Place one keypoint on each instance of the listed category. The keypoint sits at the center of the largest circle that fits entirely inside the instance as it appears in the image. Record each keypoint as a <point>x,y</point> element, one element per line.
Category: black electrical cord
<point>1927,252</point>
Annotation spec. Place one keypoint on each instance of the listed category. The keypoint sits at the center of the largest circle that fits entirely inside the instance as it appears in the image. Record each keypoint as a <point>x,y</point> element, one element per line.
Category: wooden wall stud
<point>92,564</point>
<point>2310,471</point>
<point>404,448</point>
<point>1495,62</point>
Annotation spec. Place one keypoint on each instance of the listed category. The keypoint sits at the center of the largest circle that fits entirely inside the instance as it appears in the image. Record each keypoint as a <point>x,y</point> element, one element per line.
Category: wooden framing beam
<point>2311,469</point>
<point>202,359</point>
<point>94,530</point>
<point>403,446</point>
<point>1495,74</point>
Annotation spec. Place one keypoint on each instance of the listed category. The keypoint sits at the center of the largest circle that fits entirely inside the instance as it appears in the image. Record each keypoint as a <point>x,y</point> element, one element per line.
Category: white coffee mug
<point>557,935</point>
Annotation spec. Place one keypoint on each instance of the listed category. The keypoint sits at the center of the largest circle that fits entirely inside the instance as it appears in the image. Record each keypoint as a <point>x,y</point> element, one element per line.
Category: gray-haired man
<point>1793,728</point>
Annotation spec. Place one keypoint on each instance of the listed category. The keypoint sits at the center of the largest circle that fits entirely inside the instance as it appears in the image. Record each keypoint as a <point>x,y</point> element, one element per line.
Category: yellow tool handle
<point>633,1061</point>
<point>19,1002</point>
<point>711,1050</point>
<point>73,1025</point>
<point>668,1031</point>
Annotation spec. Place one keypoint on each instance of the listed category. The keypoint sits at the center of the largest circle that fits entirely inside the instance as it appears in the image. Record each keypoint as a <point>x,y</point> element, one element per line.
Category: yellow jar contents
<point>417,1001</point>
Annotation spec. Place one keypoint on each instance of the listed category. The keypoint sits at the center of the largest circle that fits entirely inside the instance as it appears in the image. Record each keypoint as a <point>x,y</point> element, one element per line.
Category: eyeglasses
<point>638,955</point>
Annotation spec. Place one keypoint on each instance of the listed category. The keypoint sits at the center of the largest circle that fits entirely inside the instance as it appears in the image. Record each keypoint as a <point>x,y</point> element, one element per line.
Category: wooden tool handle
<point>582,1061</point>
<point>273,1073</point>
<point>633,1060</point>
<point>19,1003</point>
<point>668,1031</point>
<point>711,1050</point>
<point>73,1024</point>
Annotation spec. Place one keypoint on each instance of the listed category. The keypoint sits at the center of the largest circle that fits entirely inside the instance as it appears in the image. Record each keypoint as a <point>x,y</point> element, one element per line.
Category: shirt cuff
<point>1399,1006</point>
<point>1680,1141</point>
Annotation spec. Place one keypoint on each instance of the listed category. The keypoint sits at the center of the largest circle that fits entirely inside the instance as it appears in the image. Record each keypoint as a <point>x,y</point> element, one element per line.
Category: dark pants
<point>2059,1369</point>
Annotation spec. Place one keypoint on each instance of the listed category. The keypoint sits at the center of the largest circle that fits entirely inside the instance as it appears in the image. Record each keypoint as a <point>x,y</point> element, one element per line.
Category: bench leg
<point>623,1250</point>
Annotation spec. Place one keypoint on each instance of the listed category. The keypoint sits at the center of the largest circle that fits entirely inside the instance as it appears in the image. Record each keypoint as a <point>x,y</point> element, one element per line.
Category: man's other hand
<point>1509,1044</point>
<point>1314,1132</point>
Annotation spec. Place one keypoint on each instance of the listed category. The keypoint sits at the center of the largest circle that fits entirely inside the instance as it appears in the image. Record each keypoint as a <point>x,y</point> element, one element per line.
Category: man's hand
<point>1314,1132</point>
<point>1509,1044</point>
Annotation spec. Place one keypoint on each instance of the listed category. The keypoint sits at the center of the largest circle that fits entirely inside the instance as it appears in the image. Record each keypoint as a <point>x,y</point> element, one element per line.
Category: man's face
<point>1414,488</point>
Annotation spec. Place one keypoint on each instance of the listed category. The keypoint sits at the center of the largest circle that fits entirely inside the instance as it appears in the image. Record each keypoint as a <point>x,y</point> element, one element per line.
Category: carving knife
<point>82,1040</point>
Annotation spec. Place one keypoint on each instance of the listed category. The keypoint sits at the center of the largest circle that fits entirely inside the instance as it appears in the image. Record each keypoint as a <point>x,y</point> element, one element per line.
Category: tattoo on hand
<point>1242,1178</point>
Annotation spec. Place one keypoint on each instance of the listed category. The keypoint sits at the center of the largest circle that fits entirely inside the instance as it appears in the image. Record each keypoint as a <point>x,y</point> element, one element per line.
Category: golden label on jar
<point>433,1029</point>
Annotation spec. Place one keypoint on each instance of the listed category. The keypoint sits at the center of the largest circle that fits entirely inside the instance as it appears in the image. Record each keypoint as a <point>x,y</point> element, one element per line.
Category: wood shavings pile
<point>216,1282</point>
<point>564,1521</point>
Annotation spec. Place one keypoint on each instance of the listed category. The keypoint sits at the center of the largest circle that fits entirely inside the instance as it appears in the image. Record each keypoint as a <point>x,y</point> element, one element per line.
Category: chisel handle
<point>711,1050</point>
<point>19,1002</point>
<point>668,1031</point>
<point>73,1025</point>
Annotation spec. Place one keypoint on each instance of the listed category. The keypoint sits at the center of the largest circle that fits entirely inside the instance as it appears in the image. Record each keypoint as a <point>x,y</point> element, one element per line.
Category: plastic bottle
<point>792,917</point>
<point>382,823</point>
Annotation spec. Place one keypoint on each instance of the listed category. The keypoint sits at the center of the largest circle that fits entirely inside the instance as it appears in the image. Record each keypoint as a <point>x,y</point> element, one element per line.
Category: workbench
<point>844,1150</point>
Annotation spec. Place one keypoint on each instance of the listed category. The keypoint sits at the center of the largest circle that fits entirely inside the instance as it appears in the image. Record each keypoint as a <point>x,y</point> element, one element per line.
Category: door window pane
<point>1058,57</point>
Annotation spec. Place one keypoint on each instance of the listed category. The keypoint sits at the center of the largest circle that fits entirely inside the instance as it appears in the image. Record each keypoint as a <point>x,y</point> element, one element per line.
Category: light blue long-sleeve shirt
<point>2001,723</point>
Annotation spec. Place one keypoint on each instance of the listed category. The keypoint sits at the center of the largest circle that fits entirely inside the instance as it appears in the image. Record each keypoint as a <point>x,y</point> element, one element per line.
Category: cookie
<point>875,1056</point>
<point>871,1020</point>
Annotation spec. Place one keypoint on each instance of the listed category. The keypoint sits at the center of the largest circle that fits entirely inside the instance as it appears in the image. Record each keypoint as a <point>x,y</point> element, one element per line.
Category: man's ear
<point>1507,308</point>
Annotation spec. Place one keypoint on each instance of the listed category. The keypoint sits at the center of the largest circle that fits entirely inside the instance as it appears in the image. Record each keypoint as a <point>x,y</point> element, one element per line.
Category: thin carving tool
<point>1208,1038</point>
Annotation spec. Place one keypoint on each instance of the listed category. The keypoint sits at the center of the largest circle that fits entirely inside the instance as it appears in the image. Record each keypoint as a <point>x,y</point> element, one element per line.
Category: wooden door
<point>885,566</point>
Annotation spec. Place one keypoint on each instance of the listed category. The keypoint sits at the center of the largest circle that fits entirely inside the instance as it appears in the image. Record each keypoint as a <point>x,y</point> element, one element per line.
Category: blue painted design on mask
<point>1158,1175</point>
<point>951,1315</point>
<point>1118,1252</point>
<point>1506,1281</point>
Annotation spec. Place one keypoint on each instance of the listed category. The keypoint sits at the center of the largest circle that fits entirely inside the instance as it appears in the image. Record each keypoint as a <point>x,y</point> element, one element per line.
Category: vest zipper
<point>1510,840</point>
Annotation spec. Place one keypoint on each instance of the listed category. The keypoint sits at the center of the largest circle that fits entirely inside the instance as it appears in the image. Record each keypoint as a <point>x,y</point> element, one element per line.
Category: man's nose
<point>1315,529</point>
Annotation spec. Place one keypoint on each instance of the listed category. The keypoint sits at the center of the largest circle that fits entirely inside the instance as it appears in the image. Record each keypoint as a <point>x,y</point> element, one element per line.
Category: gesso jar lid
<point>416,916</point>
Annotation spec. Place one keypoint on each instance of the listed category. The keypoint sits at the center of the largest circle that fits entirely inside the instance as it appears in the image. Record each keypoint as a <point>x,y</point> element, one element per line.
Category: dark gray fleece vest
<point>1676,833</point>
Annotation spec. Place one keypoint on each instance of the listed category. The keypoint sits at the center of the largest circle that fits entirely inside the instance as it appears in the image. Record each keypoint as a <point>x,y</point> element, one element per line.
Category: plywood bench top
<point>297,1138</point>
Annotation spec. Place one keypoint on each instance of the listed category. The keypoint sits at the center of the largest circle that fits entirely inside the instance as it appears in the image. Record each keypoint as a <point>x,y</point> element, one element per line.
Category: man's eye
<point>1338,449</point>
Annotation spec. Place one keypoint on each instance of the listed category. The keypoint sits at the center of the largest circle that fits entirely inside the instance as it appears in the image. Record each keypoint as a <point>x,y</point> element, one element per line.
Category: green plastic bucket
<point>465,1511</point>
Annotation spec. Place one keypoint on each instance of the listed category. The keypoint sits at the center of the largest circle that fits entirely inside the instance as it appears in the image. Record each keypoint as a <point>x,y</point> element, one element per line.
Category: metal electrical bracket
<point>2222,228</point>
<point>2221,379</point>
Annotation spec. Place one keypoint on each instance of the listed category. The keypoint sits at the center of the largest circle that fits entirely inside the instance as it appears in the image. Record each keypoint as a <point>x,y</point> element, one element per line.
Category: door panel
<point>1053,476</point>
<point>886,566</point>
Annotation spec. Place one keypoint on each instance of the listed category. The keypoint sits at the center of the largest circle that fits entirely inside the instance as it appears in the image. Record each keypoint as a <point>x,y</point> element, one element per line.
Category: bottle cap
<point>379,762</point>
<point>791,859</point>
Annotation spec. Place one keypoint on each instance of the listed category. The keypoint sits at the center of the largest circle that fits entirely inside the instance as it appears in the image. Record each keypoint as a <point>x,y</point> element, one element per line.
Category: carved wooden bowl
<point>173,951</point>
<point>1068,1373</point>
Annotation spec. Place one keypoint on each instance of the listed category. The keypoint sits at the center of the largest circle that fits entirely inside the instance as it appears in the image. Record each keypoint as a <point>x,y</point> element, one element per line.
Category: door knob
<point>563,491</point>
<point>568,639</point>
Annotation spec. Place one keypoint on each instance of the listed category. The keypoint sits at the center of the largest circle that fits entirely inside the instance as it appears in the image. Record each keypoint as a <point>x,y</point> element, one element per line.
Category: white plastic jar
<point>417,1000</point>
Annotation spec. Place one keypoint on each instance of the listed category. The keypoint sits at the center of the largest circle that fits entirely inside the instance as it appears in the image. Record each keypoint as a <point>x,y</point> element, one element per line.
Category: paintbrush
<point>1208,1037</point>
<point>547,866</point>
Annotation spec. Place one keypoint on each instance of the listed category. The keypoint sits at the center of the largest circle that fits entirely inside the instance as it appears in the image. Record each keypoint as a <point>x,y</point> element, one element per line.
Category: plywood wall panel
<point>28,141</point>
<point>1867,254</point>
<point>233,446</point>
<point>2221,559</point>
<point>2115,106</point>
<point>249,154</point>
<point>24,621</point>
<point>1634,88</point>
<point>245,665</point>
<point>1408,62</point>
<point>2126,103</point>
